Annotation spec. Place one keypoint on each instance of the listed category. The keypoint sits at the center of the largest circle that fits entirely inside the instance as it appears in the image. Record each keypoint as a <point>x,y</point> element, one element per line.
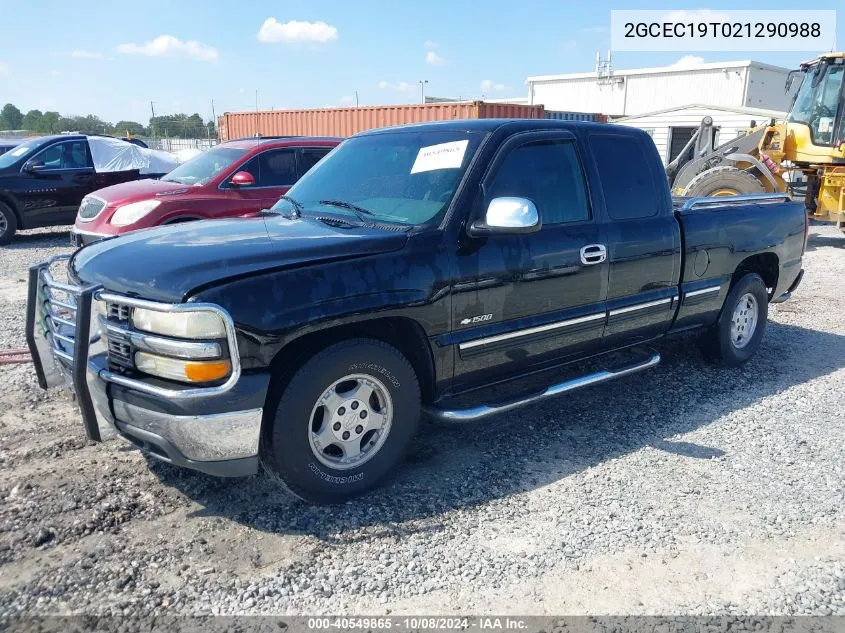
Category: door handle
<point>593,254</point>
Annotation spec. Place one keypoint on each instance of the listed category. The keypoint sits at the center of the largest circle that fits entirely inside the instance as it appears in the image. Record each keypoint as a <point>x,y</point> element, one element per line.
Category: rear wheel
<point>343,422</point>
<point>8,223</point>
<point>738,332</point>
<point>723,181</point>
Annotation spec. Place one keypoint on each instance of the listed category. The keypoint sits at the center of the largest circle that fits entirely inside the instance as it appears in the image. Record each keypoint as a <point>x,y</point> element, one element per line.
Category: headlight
<point>130,213</point>
<point>182,370</point>
<point>198,324</point>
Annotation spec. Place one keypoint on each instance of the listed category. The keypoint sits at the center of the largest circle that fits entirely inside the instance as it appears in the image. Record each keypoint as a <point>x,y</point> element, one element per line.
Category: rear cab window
<point>627,180</point>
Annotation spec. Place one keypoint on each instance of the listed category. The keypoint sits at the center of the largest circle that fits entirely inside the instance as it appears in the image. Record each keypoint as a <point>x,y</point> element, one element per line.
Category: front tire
<point>344,421</point>
<point>738,332</point>
<point>8,223</point>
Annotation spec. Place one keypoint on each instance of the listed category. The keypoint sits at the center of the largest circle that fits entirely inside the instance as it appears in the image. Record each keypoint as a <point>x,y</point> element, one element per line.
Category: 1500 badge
<point>476,319</point>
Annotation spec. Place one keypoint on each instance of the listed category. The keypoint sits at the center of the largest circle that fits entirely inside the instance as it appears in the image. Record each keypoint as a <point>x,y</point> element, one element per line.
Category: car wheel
<point>738,332</point>
<point>8,223</point>
<point>344,421</point>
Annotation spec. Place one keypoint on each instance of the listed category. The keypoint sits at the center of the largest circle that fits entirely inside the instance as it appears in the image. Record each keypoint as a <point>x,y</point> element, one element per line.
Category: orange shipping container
<point>348,121</point>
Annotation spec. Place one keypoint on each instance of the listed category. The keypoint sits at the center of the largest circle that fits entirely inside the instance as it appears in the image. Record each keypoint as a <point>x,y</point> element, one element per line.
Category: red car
<point>235,178</point>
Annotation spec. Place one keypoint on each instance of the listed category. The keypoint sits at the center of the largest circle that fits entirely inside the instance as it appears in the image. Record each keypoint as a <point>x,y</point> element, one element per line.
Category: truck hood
<point>137,190</point>
<point>169,262</point>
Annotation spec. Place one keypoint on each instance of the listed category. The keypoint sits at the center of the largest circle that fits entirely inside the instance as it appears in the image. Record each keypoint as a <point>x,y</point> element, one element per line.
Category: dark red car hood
<point>137,190</point>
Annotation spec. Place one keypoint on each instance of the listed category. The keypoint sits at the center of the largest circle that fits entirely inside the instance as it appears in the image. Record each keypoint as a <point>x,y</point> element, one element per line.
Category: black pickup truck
<point>411,265</point>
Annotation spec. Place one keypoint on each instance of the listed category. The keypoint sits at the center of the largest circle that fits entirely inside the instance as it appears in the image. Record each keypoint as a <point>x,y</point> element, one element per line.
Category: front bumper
<point>213,430</point>
<point>80,237</point>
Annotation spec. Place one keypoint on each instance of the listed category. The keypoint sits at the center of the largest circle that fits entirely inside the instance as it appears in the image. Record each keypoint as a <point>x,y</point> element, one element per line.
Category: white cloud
<point>433,59</point>
<point>488,85</point>
<point>402,86</point>
<point>347,100</point>
<point>431,44</point>
<point>4,69</point>
<point>295,31</point>
<point>696,15</point>
<point>169,46</point>
<point>78,54</point>
<point>55,73</point>
<point>687,61</point>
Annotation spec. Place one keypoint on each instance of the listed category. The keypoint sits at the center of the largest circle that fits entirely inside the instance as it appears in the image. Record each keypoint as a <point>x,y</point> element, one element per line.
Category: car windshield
<point>406,176</point>
<point>201,169</point>
<point>14,155</point>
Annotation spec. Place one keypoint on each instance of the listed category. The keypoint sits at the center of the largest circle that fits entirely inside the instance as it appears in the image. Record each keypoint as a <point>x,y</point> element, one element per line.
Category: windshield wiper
<point>297,207</point>
<point>358,211</point>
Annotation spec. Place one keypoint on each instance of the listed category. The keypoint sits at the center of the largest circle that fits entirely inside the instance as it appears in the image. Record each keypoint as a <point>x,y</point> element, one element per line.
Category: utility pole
<point>152,120</point>
<point>422,83</point>
<point>356,98</point>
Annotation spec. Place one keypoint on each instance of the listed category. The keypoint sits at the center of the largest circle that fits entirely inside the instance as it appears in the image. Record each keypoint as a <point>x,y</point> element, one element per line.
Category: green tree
<point>10,118</point>
<point>32,121</point>
<point>49,123</point>
<point>132,127</point>
<point>179,126</point>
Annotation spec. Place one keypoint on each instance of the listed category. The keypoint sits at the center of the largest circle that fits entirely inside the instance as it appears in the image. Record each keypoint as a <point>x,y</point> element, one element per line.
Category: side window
<point>276,168</point>
<point>629,189</point>
<point>69,155</point>
<point>549,174</point>
<point>310,157</point>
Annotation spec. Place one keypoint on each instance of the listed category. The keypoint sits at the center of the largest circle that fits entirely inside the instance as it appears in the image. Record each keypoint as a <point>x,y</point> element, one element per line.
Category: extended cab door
<point>55,181</point>
<point>528,300</point>
<point>643,237</point>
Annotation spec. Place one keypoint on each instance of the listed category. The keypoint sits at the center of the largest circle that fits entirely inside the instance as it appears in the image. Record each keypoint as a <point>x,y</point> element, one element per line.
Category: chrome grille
<point>90,208</point>
<point>117,311</point>
<point>120,352</point>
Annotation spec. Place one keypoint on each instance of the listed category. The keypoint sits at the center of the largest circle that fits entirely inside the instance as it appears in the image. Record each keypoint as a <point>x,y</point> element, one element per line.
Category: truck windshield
<point>406,177</point>
<point>201,169</point>
<point>818,100</point>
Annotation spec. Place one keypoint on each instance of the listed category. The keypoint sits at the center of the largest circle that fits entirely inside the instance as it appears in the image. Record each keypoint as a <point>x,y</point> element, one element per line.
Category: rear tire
<point>738,332</point>
<point>344,421</point>
<point>723,181</point>
<point>8,223</point>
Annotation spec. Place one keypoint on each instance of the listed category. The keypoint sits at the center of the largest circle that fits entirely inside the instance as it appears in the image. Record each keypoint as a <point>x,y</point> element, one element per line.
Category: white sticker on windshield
<point>442,156</point>
<point>825,123</point>
<point>19,151</point>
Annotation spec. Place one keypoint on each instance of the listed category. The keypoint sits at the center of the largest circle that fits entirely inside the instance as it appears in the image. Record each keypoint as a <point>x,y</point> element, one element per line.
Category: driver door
<point>55,181</point>
<point>524,301</point>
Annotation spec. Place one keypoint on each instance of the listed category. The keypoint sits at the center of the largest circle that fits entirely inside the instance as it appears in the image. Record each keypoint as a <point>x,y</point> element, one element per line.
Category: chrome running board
<point>458,416</point>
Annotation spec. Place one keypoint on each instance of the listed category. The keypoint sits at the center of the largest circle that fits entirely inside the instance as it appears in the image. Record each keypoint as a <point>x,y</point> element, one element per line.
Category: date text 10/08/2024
<point>418,623</point>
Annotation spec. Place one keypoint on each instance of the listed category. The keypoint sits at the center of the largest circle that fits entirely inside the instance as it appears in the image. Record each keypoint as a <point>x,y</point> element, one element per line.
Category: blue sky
<point>112,59</point>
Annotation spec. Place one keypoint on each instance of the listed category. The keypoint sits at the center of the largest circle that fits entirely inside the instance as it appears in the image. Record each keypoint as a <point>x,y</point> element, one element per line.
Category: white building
<point>744,84</point>
<point>671,128</point>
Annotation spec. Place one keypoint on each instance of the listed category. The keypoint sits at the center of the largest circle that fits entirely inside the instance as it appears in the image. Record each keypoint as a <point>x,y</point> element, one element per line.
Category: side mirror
<point>507,216</point>
<point>242,179</point>
<point>33,166</point>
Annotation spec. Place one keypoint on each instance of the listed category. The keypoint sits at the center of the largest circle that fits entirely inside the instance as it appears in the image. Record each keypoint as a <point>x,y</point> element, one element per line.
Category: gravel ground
<point>689,489</point>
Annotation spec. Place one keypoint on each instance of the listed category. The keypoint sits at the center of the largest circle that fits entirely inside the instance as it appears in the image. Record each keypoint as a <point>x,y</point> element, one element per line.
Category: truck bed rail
<point>689,204</point>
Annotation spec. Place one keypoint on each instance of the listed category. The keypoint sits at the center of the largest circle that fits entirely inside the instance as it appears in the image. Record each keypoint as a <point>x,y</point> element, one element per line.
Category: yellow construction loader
<point>770,158</point>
